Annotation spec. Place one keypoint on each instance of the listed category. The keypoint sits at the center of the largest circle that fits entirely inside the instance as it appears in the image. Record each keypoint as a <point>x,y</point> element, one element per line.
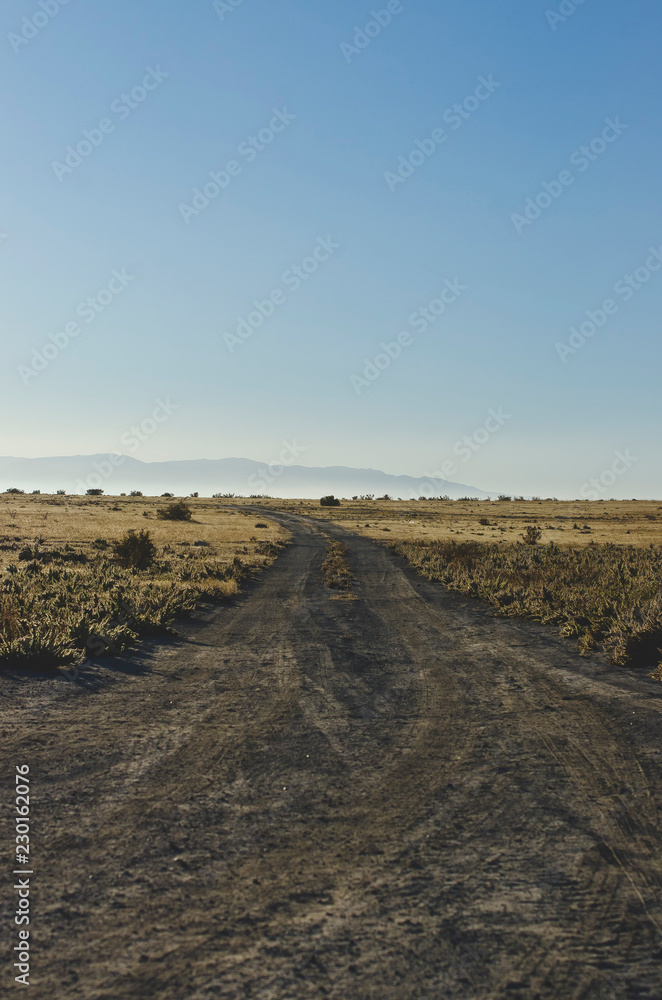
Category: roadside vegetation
<point>608,596</point>
<point>593,569</point>
<point>79,578</point>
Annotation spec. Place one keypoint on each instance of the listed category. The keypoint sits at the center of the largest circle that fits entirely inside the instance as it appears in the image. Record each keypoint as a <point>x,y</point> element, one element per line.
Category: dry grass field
<point>567,523</point>
<point>66,593</point>
<point>592,569</point>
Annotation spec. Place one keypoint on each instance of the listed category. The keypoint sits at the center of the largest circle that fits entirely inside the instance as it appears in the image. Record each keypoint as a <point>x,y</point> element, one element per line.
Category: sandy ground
<point>391,795</point>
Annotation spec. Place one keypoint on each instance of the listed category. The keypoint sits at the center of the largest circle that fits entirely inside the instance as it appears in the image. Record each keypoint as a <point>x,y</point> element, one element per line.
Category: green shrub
<point>178,511</point>
<point>135,550</point>
<point>329,501</point>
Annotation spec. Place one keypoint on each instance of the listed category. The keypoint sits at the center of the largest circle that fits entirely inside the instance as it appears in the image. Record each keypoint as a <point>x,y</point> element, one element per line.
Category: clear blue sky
<point>324,175</point>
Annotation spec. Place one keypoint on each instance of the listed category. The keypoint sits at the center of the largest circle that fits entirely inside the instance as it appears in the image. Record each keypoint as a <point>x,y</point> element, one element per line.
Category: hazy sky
<point>369,161</point>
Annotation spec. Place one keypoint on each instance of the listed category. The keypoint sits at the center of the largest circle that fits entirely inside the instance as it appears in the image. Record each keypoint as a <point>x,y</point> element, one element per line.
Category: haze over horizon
<point>417,203</point>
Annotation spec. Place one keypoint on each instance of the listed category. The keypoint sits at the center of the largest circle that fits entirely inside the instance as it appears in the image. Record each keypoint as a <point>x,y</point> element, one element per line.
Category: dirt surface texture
<point>383,793</point>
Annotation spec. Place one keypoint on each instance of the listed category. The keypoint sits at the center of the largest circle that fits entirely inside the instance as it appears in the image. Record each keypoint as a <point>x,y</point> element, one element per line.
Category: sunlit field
<point>67,591</point>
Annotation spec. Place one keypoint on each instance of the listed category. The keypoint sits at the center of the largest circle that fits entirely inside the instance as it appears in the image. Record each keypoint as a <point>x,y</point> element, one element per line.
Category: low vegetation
<point>608,596</point>
<point>177,511</point>
<point>78,579</point>
<point>335,568</point>
<point>590,568</point>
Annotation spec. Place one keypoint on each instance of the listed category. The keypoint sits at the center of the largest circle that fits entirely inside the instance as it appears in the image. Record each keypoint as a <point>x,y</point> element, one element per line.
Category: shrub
<point>195,494</point>
<point>178,511</point>
<point>14,489</point>
<point>135,550</point>
<point>504,496</point>
<point>94,493</point>
<point>532,535</point>
<point>261,525</point>
<point>61,493</point>
<point>135,493</point>
<point>168,495</point>
<point>329,501</point>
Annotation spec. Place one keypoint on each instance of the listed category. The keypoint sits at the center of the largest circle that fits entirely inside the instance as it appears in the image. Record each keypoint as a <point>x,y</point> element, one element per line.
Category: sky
<point>419,236</point>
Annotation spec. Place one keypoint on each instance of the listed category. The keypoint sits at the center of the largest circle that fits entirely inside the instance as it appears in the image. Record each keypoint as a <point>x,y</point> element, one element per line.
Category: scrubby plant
<point>135,550</point>
<point>329,501</point>
<point>94,493</point>
<point>178,511</point>
<point>532,535</point>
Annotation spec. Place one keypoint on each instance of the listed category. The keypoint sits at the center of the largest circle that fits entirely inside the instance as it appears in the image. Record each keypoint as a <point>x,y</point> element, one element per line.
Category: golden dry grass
<point>621,522</point>
<point>63,592</point>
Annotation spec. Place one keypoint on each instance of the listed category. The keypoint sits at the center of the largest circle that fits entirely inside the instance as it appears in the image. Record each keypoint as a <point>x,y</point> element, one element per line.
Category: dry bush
<point>135,549</point>
<point>178,511</point>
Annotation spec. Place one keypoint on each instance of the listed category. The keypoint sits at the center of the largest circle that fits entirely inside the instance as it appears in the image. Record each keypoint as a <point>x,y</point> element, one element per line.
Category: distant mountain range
<point>121,474</point>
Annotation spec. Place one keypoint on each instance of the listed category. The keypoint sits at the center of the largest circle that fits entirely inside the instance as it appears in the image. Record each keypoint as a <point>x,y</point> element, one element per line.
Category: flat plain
<point>345,782</point>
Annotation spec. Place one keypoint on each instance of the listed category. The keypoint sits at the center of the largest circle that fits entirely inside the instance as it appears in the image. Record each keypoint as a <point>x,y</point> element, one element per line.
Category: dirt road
<point>394,796</point>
